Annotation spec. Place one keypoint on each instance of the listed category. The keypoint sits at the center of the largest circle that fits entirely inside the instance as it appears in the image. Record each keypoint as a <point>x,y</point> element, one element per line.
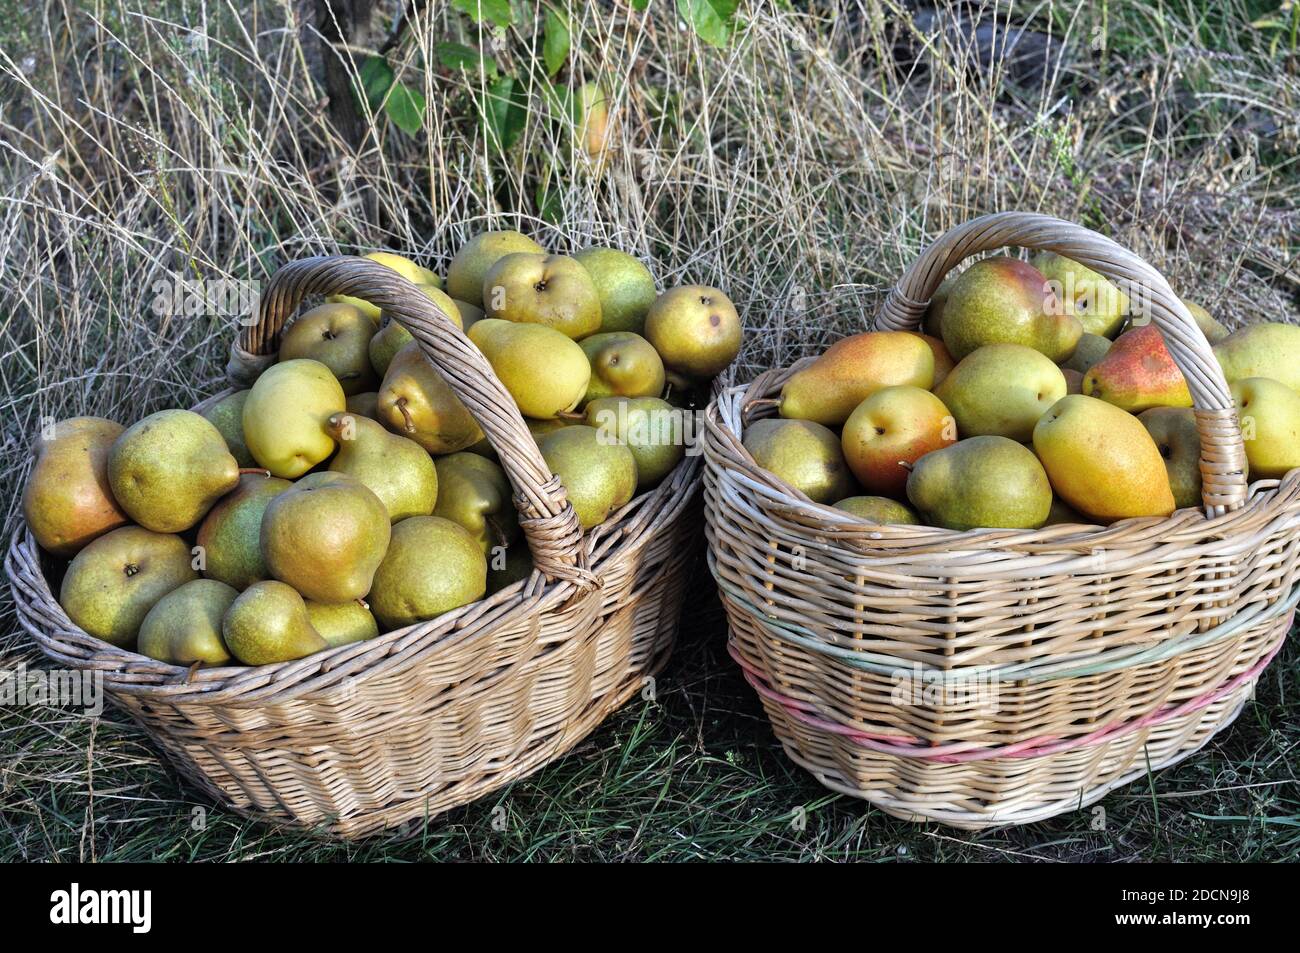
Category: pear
<point>1262,350</point>
<point>851,370</point>
<point>1002,390</point>
<point>1073,380</point>
<point>1063,513</point>
<point>879,509</point>
<point>1174,431</point>
<point>1102,461</point>
<point>508,566</point>
<point>932,322</point>
<point>542,428</point>
<point>268,623</point>
<point>986,481</point>
<point>1270,426</point>
<point>433,566</point>
<point>111,585</point>
<point>227,415</point>
<point>417,402</point>
<point>399,471</point>
<point>545,372</point>
<point>285,416</point>
<point>598,476</point>
<point>475,493</point>
<point>651,428</point>
<point>1091,349</point>
<point>623,364</point>
<point>943,362</point>
<point>390,339</point>
<point>696,331</point>
<point>804,454</point>
<point>1138,373</point>
<point>184,626</point>
<point>551,290</point>
<point>325,536</point>
<point>467,270</point>
<point>337,335</point>
<point>167,470</point>
<point>229,535</point>
<point>1091,297</point>
<point>468,313</point>
<point>1005,301</point>
<point>625,287</point>
<point>364,405</point>
<point>889,431</point>
<point>67,501</point>
<point>1214,331</point>
<point>416,274</point>
<point>342,623</point>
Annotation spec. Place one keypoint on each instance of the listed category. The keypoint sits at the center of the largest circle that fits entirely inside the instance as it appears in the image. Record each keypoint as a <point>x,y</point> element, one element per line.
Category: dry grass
<point>799,169</point>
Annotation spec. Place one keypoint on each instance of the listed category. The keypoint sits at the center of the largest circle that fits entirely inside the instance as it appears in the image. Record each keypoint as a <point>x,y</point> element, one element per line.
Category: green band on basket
<point>1034,671</point>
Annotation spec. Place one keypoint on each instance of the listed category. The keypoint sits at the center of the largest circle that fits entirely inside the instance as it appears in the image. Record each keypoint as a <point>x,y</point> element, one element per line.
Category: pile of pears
<point>349,492</point>
<point>1033,395</point>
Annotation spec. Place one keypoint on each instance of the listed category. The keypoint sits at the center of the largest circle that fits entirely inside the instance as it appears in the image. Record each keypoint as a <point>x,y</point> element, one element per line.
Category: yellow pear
<point>1091,297</point>
<point>399,471</point>
<point>1262,350</point>
<point>68,501</point>
<point>286,413</point>
<point>851,370</point>
<point>804,454</point>
<point>981,482</point>
<point>342,623</point>
<point>1001,390</point>
<point>432,566</point>
<point>551,290</point>
<point>695,329</point>
<point>599,475</point>
<point>544,371</point>
<point>337,335</point>
<point>408,269</point>
<point>1174,431</point>
<point>623,364</point>
<point>1270,426</point>
<point>475,493</point>
<point>417,402</point>
<point>467,270</point>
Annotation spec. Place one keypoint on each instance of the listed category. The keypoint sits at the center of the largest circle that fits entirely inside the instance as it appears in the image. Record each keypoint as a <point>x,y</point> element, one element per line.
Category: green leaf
<point>710,19</point>
<point>549,206</point>
<point>496,12</point>
<point>505,112</point>
<point>405,107</point>
<point>375,76</point>
<point>462,57</point>
<point>555,42</point>
<point>640,5</point>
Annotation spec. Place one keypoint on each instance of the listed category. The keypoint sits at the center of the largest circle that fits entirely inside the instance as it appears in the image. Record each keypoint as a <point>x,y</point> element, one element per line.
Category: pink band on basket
<point>956,753</point>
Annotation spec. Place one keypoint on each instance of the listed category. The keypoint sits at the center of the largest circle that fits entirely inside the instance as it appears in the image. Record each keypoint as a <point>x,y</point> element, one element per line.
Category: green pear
<point>114,581</point>
<point>696,331</point>
<point>1213,330</point>
<point>598,476</point>
<point>227,415</point>
<point>167,470</point>
<point>984,481</point>
<point>623,364</point>
<point>542,428</point>
<point>1062,513</point>
<point>1174,431</point>
<point>545,372</point>
<point>467,270</point>
<point>1091,349</point>
<point>325,536</point>
<point>508,566</point>
<point>285,416</point>
<point>1001,390</point>
<point>1262,350</point>
<point>342,623</point>
<point>475,493</point>
<point>1091,297</point>
<point>1270,426</point>
<point>651,428</point>
<point>469,313</point>
<point>625,287</point>
<point>268,623</point>
<point>433,566</point>
<point>184,626</point>
<point>337,335</point>
<point>932,322</point>
<point>551,290</point>
<point>417,402</point>
<point>804,454</point>
<point>229,535</point>
<point>364,405</point>
<point>879,509</point>
<point>399,471</point>
<point>390,339</point>
<point>68,501</point>
<point>1006,301</point>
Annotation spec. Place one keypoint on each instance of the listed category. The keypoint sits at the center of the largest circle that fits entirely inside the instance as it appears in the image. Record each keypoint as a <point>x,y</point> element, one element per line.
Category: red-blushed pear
<point>1001,390</point>
<point>879,509</point>
<point>851,370</point>
<point>1102,461</point>
<point>804,454</point>
<point>1006,301</point>
<point>67,501</point>
<point>551,290</point>
<point>1138,373</point>
<point>990,482</point>
<point>889,431</point>
<point>1174,431</point>
<point>943,362</point>
<point>1262,350</point>
<point>1270,426</point>
<point>1091,297</point>
<point>466,272</point>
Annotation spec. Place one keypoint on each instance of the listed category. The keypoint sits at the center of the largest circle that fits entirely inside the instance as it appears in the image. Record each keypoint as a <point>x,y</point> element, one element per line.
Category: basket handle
<point>548,521</point>
<point>1223,455</point>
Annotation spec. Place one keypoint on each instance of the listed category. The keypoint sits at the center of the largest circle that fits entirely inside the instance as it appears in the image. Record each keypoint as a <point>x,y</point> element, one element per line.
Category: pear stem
<point>363,604</point>
<point>497,530</point>
<point>570,415</point>
<point>261,471</point>
<point>406,414</point>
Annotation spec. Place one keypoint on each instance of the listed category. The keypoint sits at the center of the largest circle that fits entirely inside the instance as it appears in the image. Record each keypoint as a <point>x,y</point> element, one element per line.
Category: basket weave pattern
<point>1001,676</point>
<point>367,736</point>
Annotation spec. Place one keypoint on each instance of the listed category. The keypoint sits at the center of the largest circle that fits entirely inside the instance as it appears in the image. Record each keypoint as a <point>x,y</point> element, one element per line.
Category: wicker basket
<point>367,736</point>
<point>1001,676</point>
